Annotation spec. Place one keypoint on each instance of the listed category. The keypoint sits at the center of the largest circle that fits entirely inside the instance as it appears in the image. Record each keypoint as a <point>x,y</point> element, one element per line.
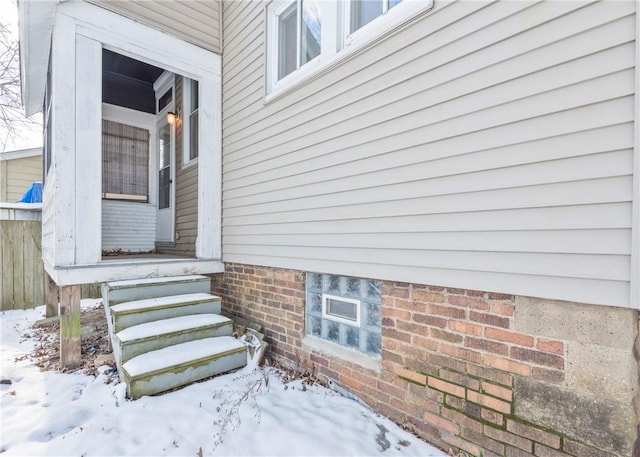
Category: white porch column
<point>209,240</point>
<point>63,59</point>
<point>88,169</point>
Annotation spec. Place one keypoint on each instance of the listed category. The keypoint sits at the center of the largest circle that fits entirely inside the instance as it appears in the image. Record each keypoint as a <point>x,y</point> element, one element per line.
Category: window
<point>305,36</point>
<point>190,121</point>
<point>345,311</point>
<point>361,12</point>
<point>46,121</point>
<point>165,99</point>
<point>125,162</point>
<point>296,34</point>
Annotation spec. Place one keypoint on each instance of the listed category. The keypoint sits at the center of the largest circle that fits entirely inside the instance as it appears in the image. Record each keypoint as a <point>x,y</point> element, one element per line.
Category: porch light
<point>172,117</point>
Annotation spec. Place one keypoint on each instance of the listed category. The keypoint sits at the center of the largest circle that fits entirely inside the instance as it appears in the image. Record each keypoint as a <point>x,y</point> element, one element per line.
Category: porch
<point>132,153</point>
<point>128,168</point>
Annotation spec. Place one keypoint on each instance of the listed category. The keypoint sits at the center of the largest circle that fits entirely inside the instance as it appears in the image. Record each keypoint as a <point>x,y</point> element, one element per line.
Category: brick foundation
<point>455,367</point>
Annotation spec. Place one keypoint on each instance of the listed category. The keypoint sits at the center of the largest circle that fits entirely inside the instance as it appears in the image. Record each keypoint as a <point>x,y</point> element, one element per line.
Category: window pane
<point>342,309</point>
<point>165,99</point>
<point>165,145</point>
<point>311,31</point>
<point>125,159</point>
<point>393,3</point>
<point>314,281</point>
<point>373,290</point>
<point>373,315</point>
<point>316,303</point>
<point>353,287</point>
<point>333,285</point>
<point>193,135</point>
<point>363,12</point>
<point>194,96</point>
<point>333,331</point>
<point>315,326</point>
<point>164,188</point>
<point>287,38</point>
<point>353,337</point>
<point>374,344</point>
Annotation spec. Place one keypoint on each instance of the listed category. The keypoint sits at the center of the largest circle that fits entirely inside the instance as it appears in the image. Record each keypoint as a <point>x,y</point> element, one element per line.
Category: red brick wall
<point>449,358</point>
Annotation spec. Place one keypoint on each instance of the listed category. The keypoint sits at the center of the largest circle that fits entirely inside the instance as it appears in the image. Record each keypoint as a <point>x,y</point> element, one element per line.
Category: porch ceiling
<point>128,82</point>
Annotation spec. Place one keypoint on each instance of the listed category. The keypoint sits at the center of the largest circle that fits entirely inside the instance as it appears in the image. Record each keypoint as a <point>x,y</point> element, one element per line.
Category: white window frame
<point>337,43</point>
<point>186,123</point>
<point>333,317</point>
<point>274,10</point>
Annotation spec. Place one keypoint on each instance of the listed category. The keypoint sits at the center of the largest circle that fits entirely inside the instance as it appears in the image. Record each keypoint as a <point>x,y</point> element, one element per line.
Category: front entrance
<point>164,228</point>
<point>166,159</point>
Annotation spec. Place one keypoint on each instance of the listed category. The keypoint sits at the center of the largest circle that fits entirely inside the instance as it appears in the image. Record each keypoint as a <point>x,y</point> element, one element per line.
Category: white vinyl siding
<point>48,222</point>
<point>484,146</point>
<point>195,21</point>
<point>128,226</point>
<point>186,206</point>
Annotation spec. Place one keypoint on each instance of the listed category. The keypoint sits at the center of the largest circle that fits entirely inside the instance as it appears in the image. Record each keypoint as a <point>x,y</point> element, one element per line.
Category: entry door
<point>166,145</point>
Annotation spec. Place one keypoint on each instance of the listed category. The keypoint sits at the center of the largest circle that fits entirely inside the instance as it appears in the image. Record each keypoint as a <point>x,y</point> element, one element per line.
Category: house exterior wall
<point>197,22</point>
<point>128,226</point>
<point>483,145</point>
<point>478,161</point>
<point>488,373</point>
<point>17,175</point>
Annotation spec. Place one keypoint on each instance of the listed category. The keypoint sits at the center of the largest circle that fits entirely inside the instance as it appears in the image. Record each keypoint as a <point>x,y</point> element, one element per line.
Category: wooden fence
<point>21,267</point>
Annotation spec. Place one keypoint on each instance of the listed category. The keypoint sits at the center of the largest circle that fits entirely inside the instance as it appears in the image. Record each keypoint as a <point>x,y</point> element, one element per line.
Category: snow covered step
<point>138,289</point>
<point>181,364</point>
<point>137,312</point>
<point>138,339</point>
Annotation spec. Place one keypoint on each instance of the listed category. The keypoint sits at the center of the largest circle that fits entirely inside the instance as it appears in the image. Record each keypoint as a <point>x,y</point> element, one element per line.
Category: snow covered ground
<point>247,413</point>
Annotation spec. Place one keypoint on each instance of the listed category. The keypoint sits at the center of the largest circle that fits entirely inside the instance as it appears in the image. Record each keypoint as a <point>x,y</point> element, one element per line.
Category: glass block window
<point>345,310</point>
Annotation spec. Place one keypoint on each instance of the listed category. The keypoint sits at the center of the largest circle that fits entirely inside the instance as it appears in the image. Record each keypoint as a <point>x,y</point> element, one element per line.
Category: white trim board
<point>141,42</point>
<point>634,286</point>
<point>115,270</point>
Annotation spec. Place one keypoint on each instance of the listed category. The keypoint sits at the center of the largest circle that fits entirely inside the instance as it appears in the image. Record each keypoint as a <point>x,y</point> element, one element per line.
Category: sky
<point>28,137</point>
<point>250,412</point>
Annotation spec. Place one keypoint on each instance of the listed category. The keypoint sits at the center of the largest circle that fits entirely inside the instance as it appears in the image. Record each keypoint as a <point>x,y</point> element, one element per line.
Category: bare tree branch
<point>13,124</point>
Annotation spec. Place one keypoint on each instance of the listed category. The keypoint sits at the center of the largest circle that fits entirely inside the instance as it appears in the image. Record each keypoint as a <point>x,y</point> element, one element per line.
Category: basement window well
<point>345,311</point>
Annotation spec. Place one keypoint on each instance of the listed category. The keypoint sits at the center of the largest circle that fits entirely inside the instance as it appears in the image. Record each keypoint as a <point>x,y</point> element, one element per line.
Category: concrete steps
<point>182,364</point>
<point>154,309</point>
<point>138,289</point>
<point>167,332</point>
<point>142,338</point>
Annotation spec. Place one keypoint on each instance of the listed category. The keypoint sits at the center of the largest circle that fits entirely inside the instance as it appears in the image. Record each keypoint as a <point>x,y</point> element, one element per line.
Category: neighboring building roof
<point>20,154</point>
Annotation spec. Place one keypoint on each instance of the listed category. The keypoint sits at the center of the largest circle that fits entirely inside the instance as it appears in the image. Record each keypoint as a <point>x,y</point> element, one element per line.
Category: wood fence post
<point>70,326</point>
<point>51,296</point>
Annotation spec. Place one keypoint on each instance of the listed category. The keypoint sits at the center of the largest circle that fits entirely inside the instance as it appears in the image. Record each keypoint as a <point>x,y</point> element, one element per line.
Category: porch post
<point>208,241</point>
<point>70,326</point>
<point>63,140</point>
<point>51,296</point>
<point>88,164</point>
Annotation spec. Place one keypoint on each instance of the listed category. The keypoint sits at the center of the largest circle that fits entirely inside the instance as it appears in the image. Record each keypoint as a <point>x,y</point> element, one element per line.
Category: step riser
<point>122,321</point>
<point>141,292</point>
<point>129,350</point>
<point>188,374</point>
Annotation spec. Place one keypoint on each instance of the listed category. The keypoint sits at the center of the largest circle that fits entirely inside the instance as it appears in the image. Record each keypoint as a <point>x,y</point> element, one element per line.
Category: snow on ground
<point>251,412</point>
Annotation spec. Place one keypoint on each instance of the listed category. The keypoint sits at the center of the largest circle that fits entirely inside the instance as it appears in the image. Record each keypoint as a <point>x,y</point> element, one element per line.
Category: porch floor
<point>156,256</point>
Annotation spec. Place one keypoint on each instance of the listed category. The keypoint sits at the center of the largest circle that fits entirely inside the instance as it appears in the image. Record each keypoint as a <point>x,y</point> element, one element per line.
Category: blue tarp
<point>33,194</point>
